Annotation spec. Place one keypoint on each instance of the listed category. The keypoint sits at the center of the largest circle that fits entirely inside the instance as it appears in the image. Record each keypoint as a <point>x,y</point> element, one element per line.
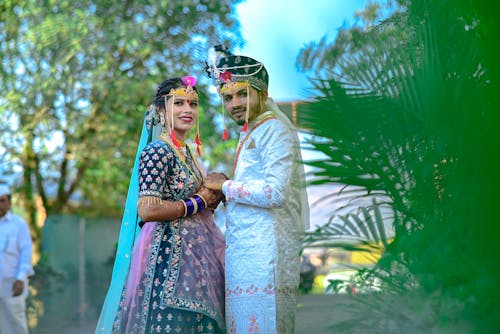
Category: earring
<point>245,126</point>
<point>225,134</point>
<point>172,133</point>
<point>162,119</point>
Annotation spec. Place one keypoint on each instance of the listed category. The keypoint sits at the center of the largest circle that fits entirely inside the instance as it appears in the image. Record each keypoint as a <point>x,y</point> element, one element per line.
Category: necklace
<point>185,156</point>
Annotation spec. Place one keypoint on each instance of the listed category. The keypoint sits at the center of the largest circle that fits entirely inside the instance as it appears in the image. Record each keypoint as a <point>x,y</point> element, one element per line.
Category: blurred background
<point>397,106</point>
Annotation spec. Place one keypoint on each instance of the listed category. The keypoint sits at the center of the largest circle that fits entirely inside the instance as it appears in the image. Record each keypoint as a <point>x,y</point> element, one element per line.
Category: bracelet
<point>196,196</point>
<point>193,205</point>
<point>189,207</point>
<point>200,201</point>
<point>185,208</point>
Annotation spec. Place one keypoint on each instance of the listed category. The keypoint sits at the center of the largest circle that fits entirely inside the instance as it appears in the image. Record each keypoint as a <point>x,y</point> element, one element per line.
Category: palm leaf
<point>364,231</point>
<point>412,119</point>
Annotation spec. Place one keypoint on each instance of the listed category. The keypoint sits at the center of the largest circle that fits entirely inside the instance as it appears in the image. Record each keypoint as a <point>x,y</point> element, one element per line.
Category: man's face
<point>4,205</point>
<point>235,102</point>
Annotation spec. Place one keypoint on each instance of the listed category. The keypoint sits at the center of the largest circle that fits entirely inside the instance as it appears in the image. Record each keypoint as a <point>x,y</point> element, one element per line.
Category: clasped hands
<point>211,190</point>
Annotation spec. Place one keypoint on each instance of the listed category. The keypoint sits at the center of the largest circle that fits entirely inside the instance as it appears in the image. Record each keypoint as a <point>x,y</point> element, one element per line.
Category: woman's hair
<point>165,88</point>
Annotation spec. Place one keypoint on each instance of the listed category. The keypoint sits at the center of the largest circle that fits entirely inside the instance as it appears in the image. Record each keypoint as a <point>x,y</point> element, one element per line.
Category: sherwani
<point>263,226</point>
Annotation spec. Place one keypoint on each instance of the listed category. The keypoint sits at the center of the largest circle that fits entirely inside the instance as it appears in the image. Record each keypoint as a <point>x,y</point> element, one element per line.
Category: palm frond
<point>366,231</point>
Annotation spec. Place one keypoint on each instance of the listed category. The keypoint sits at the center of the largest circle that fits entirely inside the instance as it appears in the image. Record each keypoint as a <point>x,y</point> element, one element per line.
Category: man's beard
<point>240,116</point>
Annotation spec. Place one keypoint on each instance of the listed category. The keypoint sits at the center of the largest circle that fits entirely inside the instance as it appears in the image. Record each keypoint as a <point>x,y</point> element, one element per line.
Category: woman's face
<point>185,113</point>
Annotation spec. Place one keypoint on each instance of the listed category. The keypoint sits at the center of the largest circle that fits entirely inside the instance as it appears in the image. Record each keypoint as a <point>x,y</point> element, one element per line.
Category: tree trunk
<point>29,199</point>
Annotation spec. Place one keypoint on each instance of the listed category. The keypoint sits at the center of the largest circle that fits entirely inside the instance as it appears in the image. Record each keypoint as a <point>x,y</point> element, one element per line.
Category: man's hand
<point>17,288</point>
<point>214,181</point>
<point>213,197</point>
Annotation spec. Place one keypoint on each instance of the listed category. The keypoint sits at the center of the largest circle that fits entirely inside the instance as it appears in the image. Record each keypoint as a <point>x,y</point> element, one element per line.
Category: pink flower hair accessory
<point>226,76</point>
<point>189,81</point>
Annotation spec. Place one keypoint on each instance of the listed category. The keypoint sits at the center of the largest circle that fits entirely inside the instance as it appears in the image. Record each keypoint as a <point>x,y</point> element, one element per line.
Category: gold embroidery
<point>252,144</point>
<point>149,200</point>
<point>232,87</point>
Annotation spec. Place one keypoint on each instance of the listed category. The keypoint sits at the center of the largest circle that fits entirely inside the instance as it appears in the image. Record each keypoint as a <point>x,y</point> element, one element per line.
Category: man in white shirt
<point>15,267</point>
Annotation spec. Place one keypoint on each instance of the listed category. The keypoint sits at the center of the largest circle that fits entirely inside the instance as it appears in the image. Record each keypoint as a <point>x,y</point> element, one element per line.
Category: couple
<point>174,272</point>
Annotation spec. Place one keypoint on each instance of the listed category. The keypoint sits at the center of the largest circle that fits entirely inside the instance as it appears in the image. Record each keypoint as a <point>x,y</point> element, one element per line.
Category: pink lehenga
<point>175,283</point>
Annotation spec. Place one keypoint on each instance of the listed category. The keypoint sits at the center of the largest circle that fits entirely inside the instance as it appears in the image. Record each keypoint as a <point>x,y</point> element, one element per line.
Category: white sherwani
<point>266,213</point>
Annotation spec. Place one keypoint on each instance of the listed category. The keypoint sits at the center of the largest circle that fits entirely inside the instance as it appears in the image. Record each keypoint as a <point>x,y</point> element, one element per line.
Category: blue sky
<point>276,30</point>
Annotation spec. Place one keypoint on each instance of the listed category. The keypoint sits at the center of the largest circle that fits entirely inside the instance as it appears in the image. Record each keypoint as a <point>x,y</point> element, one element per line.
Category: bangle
<point>198,197</point>
<point>200,202</point>
<point>185,208</point>
<point>189,207</point>
<point>195,204</point>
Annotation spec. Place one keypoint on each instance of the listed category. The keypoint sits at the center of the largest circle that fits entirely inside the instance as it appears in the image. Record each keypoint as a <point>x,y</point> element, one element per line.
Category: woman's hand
<point>215,181</point>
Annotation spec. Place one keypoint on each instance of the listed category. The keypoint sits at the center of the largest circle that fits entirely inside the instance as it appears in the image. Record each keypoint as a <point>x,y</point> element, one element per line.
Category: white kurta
<point>15,264</point>
<point>264,222</point>
<point>15,253</point>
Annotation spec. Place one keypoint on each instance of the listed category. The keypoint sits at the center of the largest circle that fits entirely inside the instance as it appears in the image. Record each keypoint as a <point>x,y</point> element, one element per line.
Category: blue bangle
<point>199,200</point>
<point>189,206</point>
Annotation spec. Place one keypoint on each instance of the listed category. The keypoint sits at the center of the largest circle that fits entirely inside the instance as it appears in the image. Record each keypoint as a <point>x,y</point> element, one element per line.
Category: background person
<point>15,267</point>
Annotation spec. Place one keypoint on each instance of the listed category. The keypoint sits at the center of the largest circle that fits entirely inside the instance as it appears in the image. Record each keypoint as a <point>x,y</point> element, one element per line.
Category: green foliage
<point>364,231</point>
<point>77,78</point>
<point>412,312</point>
<point>408,115</point>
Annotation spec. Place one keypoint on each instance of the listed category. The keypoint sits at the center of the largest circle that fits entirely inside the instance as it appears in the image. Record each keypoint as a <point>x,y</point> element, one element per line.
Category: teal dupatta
<point>128,233</point>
